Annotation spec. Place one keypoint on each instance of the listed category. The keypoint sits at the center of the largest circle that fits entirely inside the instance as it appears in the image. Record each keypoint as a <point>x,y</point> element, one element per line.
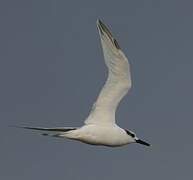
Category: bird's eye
<point>130,133</point>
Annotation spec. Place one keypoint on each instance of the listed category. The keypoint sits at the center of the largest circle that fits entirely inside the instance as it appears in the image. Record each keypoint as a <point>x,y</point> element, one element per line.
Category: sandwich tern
<point>100,127</point>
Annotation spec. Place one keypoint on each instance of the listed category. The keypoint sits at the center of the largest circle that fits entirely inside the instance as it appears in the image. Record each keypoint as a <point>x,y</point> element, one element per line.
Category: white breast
<point>101,135</point>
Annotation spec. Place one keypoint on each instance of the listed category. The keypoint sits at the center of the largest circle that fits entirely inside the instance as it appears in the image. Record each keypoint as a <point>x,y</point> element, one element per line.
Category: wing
<point>55,129</point>
<point>54,132</point>
<point>118,82</point>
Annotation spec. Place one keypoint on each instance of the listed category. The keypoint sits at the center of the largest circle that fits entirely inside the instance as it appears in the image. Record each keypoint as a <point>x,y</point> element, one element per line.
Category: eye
<point>130,133</point>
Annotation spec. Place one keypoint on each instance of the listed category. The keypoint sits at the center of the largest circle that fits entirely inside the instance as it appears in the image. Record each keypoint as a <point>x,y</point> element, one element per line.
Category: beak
<point>142,142</point>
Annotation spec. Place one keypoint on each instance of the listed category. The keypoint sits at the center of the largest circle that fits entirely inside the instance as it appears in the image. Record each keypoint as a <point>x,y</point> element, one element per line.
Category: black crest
<point>130,133</point>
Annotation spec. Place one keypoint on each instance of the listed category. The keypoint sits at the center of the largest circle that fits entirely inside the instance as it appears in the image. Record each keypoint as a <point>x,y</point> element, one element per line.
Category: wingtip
<point>15,126</point>
<point>103,29</point>
<point>21,127</point>
<point>98,21</point>
<point>99,26</point>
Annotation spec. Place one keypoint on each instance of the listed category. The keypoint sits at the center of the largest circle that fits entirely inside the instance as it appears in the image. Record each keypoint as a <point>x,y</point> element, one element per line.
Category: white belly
<point>100,135</point>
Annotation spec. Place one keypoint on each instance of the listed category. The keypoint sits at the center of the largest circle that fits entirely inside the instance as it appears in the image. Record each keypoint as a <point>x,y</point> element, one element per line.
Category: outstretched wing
<point>118,82</point>
<point>43,129</point>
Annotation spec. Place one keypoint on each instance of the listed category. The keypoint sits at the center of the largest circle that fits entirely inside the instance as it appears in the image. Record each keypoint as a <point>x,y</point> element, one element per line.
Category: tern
<point>100,127</point>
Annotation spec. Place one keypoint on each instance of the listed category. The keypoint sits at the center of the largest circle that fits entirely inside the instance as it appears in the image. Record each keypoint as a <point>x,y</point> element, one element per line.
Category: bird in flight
<point>100,127</point>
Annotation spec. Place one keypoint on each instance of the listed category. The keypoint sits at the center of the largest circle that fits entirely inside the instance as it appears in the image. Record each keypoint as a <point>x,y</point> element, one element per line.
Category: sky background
<point>52,69</point>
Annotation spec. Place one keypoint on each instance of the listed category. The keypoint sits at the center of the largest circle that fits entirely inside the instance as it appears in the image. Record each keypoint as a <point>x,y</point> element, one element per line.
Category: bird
<point>100,127</point>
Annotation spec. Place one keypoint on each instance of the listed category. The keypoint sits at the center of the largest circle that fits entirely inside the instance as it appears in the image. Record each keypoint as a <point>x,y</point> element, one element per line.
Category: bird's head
<point>135,138</point>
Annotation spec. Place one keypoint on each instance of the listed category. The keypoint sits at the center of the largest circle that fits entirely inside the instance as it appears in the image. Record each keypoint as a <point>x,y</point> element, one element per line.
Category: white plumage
<point>100,127</point>
<point>118,82</point>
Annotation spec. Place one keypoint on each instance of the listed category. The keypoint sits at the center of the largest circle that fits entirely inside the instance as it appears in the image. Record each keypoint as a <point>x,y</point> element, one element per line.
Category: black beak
<point>142,142</point>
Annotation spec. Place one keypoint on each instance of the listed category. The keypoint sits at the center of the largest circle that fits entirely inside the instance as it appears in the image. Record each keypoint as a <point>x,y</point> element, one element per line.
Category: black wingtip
<point>99,22</point>
<point>103,29</point>
<point>99,26</point>
<point>16,126</point>
<point>23,127</point>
